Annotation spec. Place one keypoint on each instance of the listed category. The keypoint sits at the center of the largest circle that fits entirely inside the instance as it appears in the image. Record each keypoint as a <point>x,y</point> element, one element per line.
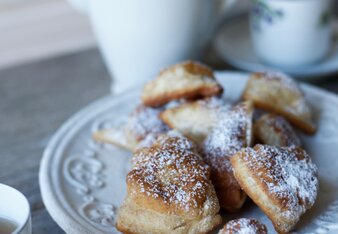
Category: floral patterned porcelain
<point>263,13</point>
<point>233,44</point>
<point>83,182</point>
<point>291,33</point>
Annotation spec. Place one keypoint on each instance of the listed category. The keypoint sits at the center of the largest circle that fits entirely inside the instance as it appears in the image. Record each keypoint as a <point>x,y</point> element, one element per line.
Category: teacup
<point>138,38</point>
<point>289,33</point>
<point>14,212</point>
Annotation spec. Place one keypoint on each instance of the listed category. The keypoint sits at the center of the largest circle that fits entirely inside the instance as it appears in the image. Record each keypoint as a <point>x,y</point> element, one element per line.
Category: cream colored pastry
<point>272,129</point>
<point>243,226</point>
<point>279,93</point>
<point>233,132</point>
<point>169,191</point>
<point>282,181</point>
<point>141,129</point>
<point>187,80</point>
<point>195,119</point>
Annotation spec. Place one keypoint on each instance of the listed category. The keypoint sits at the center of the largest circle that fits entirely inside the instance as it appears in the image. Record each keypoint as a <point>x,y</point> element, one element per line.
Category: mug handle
<point>80,5</point>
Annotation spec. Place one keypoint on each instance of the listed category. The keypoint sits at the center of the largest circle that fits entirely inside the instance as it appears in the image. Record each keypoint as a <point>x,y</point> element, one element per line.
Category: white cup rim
<point>24,222</point>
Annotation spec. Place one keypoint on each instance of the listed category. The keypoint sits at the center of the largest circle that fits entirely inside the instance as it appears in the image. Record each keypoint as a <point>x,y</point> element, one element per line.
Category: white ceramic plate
<point>83,182</point>
<point>234,46</point>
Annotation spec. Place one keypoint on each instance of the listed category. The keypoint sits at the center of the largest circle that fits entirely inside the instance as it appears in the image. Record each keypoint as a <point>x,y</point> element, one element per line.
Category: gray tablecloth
<point>35,99</point>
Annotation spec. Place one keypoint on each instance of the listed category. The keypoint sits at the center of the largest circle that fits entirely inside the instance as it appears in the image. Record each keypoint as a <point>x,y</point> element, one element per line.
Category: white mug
<point>14,211</point>
<point>288,33</point>
<point>139,37</point>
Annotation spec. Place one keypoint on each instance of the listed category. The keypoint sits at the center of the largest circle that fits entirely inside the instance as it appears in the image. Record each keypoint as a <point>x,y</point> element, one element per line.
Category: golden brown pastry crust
<point>233,132</point>
<point>194,119</point>
<point>170,183</point>
<point>141,129</point>
<point>279,93</point>
<point>283,182</point>
<point>138,220</point>
<point>116,137</point>
<point>230,195</point>
<point>271,129</point>
<point>243,225</point>
<point>187,80</point>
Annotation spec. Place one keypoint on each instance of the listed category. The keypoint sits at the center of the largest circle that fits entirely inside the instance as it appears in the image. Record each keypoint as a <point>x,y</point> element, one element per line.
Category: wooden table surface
<point>35,100</point>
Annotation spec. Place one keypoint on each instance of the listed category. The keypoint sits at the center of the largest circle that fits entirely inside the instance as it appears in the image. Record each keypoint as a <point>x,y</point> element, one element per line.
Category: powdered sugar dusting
<point>296,104</point>
<point>174,103</point>
<point>214,102</point>
<point>144,121</point>
<point>244,226</point>
<point>147,141</point>
<point>284,79</point>
<point>282,127</point>
<point>288,174</point>
<point>230,134</point>
<point>173,171</point>
<point>117,135</point>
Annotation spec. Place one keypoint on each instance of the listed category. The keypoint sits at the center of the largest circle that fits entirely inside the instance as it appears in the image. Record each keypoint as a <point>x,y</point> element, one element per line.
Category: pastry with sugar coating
<point>282,181</point>
<point>243,226</point>
<point>169,191</point>
<point>141,129</point>
<point>187,80</point>
<point>279,93</point>
<point>233,132</point>
<point>194,119</point>
<point>271,129</point>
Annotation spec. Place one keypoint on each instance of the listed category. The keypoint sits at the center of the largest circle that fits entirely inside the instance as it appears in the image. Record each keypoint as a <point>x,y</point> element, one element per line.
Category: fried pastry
<point>279,93</point>
<point>185,80</point>
<point>282,181</point>
<point>141,129</point>
<point>244,226</point>
<point>272,129</point>
<point>233,132</point>
<point>194,119</point>
<point>169,191</point>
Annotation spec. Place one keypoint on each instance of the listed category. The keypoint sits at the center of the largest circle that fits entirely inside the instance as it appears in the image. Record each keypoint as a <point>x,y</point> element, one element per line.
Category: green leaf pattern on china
<point>262,12</point>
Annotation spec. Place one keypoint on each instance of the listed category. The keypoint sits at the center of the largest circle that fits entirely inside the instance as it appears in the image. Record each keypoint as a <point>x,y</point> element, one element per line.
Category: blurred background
<point>34,30</point>
<point>37,29</point>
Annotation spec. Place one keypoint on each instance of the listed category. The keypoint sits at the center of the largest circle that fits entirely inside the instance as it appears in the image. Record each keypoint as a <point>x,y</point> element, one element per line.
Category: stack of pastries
<point>195,153</point>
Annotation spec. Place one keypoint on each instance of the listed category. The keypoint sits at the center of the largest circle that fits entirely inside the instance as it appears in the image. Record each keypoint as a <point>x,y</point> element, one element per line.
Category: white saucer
<point>234,46</point>
<point>82,182</point>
